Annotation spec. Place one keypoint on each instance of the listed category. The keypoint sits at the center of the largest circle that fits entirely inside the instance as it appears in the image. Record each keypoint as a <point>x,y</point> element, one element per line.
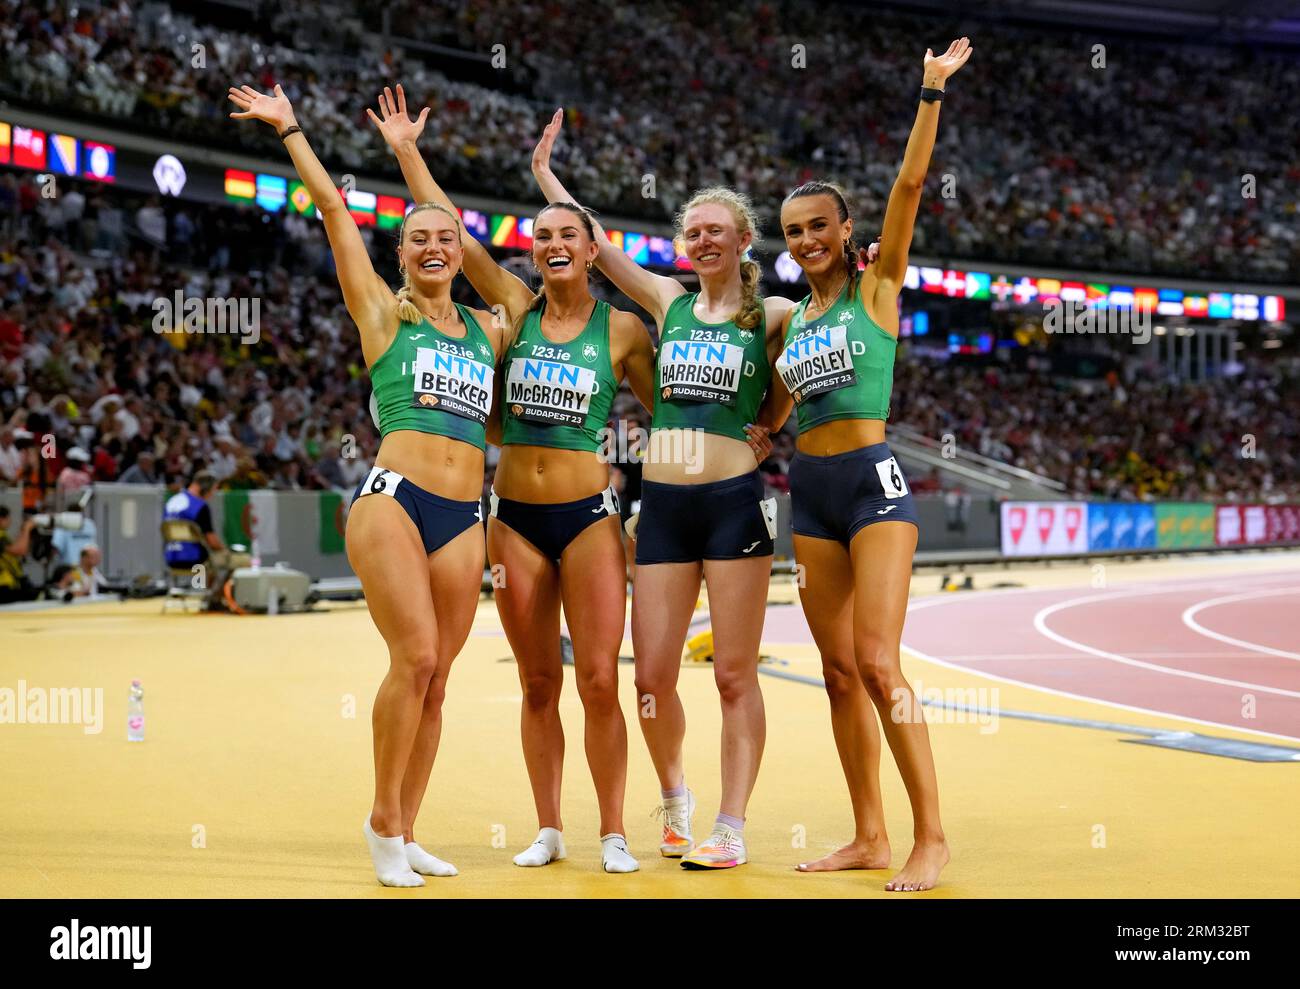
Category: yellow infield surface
<point>257,772</point>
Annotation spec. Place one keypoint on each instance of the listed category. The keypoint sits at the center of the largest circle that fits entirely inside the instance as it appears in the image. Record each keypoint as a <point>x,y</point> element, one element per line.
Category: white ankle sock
<point>426,864</point>
<point>549,847</point>
<point>391,867</point>
<point>614,855</point>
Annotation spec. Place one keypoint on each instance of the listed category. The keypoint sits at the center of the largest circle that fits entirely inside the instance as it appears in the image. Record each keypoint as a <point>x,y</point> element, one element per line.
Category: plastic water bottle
<point>135,713</point>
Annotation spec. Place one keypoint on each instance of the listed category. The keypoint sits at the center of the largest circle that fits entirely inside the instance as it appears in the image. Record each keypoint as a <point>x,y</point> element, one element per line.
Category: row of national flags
<point>60,154</point>
<point>1026,290</point>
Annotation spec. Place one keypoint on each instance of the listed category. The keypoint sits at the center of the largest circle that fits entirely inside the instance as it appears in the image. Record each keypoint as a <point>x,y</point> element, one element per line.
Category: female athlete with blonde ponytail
<point>702,510</point>
<point>414,532</point>
<point>554,525</point>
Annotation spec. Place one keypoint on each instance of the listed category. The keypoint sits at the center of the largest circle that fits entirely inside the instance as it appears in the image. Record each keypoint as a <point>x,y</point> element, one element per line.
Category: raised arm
<point>370,302</point>
<point>638,355</point>
<point>497,286</point>
<point>900,214</point>
<point>653,293</point>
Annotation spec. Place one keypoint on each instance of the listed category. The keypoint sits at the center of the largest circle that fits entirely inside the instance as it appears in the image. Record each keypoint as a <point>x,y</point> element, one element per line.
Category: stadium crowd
<point>1142,165</point>
<point>85,357</point>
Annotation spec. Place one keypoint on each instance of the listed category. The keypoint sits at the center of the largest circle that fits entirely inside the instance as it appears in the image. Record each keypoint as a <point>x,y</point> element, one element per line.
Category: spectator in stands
<point>76,475</point>
<point>11,460</point>
<point>143,471</point>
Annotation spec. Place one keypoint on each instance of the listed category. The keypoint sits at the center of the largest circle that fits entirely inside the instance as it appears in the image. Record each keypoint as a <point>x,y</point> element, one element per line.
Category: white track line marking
<point>1040,623</point>
<point>1190,621</point>
<point>1095,700</point>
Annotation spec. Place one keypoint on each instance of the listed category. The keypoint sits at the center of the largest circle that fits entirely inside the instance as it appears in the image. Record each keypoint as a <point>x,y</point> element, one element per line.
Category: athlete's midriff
<point>441,465</point>
<point>841,436</point>
<point>693,456</point>
<point>543,475</point>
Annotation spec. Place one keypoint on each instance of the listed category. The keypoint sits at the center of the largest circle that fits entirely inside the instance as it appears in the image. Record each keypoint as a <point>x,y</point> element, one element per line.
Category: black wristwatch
<point>931,95</point>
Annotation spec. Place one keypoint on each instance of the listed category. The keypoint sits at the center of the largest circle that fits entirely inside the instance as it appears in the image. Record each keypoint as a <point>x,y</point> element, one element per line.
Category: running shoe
<point>676,813</point>
<point>724,849</point>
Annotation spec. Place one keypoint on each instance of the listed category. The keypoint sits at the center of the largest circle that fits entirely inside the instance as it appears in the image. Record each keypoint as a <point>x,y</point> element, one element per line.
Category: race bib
<point>453,383</point>
<point>700,371</point>
<point>816,361</point>
<point>891,478</point>
<point>550,392</point>
<point>381,480</point>
<point>769,515</point>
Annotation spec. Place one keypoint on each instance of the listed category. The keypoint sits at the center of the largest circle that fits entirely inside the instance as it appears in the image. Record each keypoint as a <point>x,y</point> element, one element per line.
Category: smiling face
<point>814,234</point>
<point>430,250</point>
<point>712,240</point>
<point>562,247</point>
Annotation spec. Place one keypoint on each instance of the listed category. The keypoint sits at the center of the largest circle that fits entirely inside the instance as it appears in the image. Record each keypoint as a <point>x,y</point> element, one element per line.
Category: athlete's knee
<point>736,682</point>
<point>877,666</point>
<point>416,665</point>
<point>598,690</point>
<point>541,690</point>
<point>436,692</point>
<point>656,683</point>
<point>841,676</point>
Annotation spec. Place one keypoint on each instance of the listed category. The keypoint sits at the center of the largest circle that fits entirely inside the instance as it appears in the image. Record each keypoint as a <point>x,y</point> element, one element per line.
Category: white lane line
<point>1040,623</point>
<point>1189,619</point>
<point>975,671</point>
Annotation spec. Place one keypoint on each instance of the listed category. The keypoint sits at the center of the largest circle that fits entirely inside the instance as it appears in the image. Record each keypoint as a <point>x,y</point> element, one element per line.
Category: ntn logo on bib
<point>702,370</point>
<point>818,360</point>
<point>453,383</point>
<point>550,391</point>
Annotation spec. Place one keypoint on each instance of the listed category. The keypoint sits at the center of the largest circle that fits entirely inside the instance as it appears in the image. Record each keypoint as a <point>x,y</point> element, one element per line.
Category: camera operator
<point>13,583</point>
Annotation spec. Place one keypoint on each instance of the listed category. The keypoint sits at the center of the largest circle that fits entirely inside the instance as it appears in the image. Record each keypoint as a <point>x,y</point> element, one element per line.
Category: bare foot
<point>922,869</point>
<point>856,855</point>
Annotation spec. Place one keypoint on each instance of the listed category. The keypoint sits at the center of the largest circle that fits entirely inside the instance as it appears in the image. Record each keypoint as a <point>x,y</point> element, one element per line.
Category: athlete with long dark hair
<point>855,526</point>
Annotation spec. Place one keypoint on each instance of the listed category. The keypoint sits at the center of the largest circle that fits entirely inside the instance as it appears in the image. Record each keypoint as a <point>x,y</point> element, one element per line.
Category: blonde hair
<point>408,311</point>
<point>750,313</point>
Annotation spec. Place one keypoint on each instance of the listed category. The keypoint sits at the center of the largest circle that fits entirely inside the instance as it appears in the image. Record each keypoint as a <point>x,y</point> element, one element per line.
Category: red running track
<point>1130,645</point>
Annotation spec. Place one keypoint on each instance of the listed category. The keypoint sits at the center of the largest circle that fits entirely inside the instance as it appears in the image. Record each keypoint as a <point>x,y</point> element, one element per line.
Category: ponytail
<point>750,314</point>
<point>407,311</point>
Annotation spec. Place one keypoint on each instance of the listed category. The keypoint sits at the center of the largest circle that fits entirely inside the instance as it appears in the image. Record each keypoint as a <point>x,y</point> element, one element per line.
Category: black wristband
<point>295,129</point>
<point>931,95</point>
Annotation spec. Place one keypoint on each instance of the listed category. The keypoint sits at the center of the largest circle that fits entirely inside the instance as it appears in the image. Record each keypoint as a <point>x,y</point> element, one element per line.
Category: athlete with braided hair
<point>703,514</point>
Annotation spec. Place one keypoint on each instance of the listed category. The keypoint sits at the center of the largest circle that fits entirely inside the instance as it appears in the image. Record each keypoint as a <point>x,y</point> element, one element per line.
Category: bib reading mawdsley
<point>815,361</point>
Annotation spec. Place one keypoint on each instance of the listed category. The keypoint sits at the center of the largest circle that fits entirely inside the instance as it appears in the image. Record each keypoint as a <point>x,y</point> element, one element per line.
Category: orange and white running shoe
<point>676,813</point>
<point>724,849</point>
